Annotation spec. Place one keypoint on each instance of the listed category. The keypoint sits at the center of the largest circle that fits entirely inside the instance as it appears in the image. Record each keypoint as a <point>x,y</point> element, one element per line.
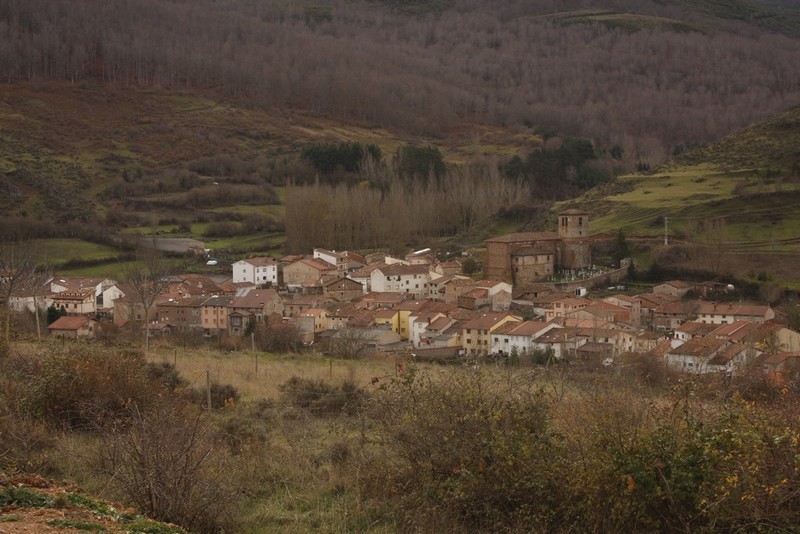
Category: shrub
<point>170,465</point>
<point>319,397</point>
<point>24,444</point>
<point>463,451</point>
<point>279,337</point>
<point>222,395</point>
<point>81,386</point>
<point>222,229</point>
<point>165,373</point>
<point>24,497</point>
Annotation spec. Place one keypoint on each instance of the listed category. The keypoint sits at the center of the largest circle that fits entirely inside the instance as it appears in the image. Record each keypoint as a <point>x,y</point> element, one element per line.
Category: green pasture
<point>630,22</point>
<point>164,230</point>
<point>692,196</point>
<point>60,250</point>
<point>274,210</point>
<point>253,242</point>
<point>675,188</point>
<point>242,241</point>
<point>113,269</point>
<point>188,104</point>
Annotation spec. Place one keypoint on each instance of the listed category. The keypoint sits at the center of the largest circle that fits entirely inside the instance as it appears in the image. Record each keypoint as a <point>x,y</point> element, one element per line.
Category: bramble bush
<point>171,464</point>
<point>465,450</point>
<point>319,397</point>
<point>469,451</point>
<point>81,385</point>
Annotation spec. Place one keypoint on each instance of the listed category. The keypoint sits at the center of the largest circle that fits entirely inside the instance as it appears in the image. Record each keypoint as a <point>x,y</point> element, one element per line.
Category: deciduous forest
<point>648,77</point>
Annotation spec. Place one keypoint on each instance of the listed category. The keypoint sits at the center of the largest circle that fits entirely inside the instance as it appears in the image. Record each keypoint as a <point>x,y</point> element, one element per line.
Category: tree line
<point>383,210</point>
<point>508,64</point>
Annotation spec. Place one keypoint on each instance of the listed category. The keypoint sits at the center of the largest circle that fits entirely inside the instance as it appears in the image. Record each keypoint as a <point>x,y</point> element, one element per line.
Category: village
<point>426,308</point>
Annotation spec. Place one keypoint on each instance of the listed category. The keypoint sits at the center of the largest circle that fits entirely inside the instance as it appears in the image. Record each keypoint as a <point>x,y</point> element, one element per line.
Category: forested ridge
<point>646,76</point>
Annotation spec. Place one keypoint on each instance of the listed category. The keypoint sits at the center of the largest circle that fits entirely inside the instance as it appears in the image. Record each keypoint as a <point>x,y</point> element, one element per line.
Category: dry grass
<point>239,369</point>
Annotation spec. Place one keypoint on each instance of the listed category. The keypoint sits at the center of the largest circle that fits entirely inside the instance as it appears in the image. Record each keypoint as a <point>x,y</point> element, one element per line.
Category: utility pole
<point>253,347</point>
<point>208,389</point>
<point>666,230</point>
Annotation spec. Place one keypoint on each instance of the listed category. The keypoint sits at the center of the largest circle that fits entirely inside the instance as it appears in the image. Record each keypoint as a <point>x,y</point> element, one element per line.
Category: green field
<point>113,269</point>
<point>254,242</point>
<point>57,251</point>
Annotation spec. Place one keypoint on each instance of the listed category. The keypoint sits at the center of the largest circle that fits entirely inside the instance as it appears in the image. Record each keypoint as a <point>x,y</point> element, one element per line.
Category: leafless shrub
<point>80,386</point>
<point>319,397</point>
<point>170,464</point>
<point>279,337</point>
<point>24,443</point>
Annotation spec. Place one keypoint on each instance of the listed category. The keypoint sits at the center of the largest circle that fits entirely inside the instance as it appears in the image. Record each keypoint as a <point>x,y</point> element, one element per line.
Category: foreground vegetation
<point>369,445</point>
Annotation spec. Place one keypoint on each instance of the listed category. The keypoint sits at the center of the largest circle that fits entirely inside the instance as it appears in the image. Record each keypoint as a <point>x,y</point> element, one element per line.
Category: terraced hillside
<point>94,159</point>
<point>741,194</point>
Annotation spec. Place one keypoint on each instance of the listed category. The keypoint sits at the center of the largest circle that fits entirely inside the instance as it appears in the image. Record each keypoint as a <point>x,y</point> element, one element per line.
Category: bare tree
<point>37,289</point>
<point>169,463</point>
<point>18,260</point>
<point>715,237</point>
<point>652,92</point>
<point>350,343</point>
<point>148,278</point>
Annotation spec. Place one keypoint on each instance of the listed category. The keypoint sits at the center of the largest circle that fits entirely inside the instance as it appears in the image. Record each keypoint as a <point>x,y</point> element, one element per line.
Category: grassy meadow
<point>355,446</point>
<point>239,369</point>
<point>62,250</point>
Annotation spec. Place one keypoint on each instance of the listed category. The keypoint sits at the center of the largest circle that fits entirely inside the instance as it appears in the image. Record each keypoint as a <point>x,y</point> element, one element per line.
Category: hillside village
<point>426,308</point>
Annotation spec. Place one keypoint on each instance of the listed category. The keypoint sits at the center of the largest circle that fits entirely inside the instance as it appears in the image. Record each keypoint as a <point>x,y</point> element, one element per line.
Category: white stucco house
<point>398,278</point>
<point>258,271</point>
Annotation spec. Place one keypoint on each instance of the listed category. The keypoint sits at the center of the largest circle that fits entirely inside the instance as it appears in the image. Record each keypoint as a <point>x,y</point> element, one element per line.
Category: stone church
<point>524,258</point>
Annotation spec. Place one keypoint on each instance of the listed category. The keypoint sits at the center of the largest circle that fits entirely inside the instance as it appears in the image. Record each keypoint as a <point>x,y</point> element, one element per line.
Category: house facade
<point>214,314</point>
<point>337,259</point>
<point>411,280</point>
<point>518,338</point>
<point>76,302</point>
<point>259,271</point>
<point>258,303</point>
<point>477,333</point>
<point>306,272</point>
<point>73,327</point>
<point>342,289</point>
<point>183,314</point>
<point>723,313</point>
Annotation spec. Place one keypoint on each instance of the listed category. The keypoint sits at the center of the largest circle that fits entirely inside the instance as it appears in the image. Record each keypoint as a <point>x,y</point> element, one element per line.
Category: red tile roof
<point>69,322</point>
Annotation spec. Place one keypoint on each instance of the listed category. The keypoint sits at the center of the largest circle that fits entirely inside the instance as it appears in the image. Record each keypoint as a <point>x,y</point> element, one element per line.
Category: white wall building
<point>332,257</point>
<point>399,278</point>
<point>258,271</point>
<point>518,337</point>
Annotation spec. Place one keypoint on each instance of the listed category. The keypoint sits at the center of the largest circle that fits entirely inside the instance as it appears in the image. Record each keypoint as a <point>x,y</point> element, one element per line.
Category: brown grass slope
<point>773,143</point>
<point>64,146</point>
<point>629,73</point>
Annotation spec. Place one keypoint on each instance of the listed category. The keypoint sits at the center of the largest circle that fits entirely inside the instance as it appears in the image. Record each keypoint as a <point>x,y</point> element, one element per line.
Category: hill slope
<point>742,191</point>
<point>644,75</point>
<point>83,159</point>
